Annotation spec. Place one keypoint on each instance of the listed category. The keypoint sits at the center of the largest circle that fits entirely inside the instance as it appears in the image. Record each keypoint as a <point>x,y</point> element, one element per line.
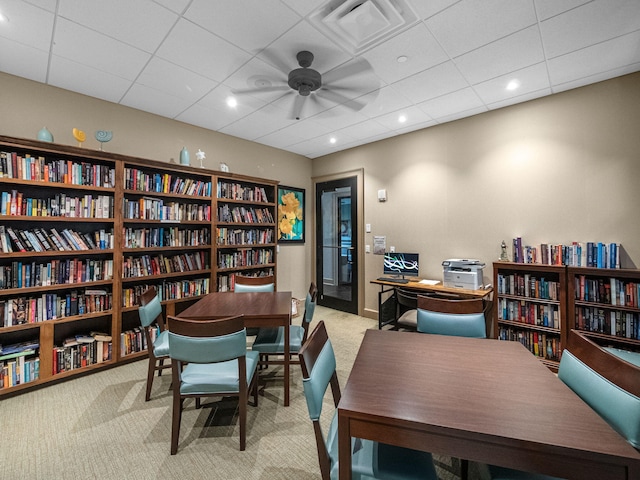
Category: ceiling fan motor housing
<point>305,80</point>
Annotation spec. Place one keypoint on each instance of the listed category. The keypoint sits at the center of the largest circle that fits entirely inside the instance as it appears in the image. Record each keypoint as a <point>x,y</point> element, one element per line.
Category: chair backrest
<point>150,310</point>
<point>254,284</point>
<point>442,316</point>
<point>318,363</point>
<point>406,299</point>
<point>207,341</point>
<point>606,382</point>
<point>309,309</point>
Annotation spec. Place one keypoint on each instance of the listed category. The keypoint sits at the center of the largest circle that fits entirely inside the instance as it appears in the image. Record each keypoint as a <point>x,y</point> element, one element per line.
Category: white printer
<point>463,273</point>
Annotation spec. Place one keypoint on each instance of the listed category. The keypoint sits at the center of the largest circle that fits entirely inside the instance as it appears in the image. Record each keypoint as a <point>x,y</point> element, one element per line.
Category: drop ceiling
<point>427,61</point>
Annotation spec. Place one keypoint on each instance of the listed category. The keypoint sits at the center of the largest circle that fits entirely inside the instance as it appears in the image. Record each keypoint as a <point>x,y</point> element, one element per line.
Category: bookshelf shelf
<point>136,208</point>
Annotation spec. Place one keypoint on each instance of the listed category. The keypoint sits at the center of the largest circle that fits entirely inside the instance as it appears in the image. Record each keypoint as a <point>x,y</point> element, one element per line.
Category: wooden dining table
<point>260,309</point>
<point>483,400</point>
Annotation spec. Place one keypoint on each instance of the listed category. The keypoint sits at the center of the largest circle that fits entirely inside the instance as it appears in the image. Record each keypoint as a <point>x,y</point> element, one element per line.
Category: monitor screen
<point>405,264</point>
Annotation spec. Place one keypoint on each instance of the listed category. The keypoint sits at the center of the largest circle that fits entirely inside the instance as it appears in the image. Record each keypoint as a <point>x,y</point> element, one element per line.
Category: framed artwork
<point>290,215</point>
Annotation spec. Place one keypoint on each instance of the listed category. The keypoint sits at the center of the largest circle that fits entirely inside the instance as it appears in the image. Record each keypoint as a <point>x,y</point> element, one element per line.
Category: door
<point>336,240</point>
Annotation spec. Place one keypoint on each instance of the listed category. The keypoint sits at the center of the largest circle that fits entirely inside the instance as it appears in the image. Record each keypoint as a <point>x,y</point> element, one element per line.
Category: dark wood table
<point>260,309</point>
<point>485,400</point>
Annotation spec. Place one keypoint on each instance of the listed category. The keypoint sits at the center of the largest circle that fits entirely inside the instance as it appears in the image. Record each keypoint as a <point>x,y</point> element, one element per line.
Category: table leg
<point>344,447</point>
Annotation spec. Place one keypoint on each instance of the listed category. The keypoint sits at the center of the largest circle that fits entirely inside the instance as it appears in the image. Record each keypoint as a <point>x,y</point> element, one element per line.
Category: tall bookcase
<point>245,229</point>
<point>97,230</point>
<point>605,304</point>
<point>531,307</point>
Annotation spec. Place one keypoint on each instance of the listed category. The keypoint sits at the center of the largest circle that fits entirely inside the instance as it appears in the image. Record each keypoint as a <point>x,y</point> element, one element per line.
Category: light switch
<point>392,249</point>
<point>367,228</point>
<point>367,248</point>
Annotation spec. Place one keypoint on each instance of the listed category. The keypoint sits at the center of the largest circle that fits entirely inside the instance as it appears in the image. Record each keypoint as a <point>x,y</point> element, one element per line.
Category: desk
<point>260,309</point>
<point>436,290</point>
<point>484,400</point>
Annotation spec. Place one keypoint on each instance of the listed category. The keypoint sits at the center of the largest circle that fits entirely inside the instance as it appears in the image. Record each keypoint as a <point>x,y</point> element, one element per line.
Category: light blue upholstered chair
<point>150,312</point>
<point>459,318</point>
<point>270,341</point>
<point>253,284</point>
<point>210,359</point>
<point>370,460</point>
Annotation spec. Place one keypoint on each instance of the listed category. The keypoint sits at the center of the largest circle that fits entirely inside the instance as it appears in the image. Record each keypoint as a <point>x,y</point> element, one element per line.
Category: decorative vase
<point>184,156</point>
<point>44,135</point>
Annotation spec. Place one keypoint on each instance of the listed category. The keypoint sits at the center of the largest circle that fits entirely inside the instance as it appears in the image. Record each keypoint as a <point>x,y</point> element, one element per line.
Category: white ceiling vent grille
<point>358,25</point>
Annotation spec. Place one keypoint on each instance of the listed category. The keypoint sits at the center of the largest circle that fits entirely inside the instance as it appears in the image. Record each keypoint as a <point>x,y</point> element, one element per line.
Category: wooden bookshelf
<point>151,223</point>
<point>531,307</point>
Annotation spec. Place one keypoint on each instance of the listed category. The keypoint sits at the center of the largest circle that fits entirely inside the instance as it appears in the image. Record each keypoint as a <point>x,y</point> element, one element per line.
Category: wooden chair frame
<point>156,364</point>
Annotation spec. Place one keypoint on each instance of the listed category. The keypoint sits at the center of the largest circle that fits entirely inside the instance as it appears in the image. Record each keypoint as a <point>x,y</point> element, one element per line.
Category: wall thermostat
<point>382,195</point>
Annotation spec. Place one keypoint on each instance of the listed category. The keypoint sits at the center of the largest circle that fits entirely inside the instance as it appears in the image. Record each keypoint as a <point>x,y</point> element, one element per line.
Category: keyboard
<point>393,280</point>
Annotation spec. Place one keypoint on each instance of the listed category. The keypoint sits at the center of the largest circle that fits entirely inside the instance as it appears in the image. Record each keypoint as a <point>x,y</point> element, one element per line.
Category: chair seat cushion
<point>214,378</point>
<point>626,355</point>
<point>161,344</point>
<point>271,340</point>
<point>409,319</point>
<point>501,473</point>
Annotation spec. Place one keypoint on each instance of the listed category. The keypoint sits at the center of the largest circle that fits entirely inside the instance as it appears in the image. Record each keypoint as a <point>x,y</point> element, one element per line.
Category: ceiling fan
<point>307,83</point>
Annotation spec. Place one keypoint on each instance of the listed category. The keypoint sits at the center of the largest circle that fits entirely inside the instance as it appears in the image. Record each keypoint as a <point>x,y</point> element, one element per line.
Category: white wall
<point>558,169</point>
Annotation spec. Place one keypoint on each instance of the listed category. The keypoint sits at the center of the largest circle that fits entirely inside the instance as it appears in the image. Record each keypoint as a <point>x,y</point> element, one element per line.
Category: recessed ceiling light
<point>332,140</point>
<point>513,84</point>
<point>3,18</point>
<point>402,118</point>
<point>402,59</point>
<point>232,102</point>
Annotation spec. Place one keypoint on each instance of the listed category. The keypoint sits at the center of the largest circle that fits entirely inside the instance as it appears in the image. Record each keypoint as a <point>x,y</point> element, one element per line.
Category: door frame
<point>358,224</point>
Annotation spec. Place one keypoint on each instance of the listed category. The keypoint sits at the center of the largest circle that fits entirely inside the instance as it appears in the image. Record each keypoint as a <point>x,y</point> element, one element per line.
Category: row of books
<point>67,240</point>
<point>244,214</point>
<point>141,181</point>
<point>167,290</point>
<point>539,314</point>
<point>616,323</point>
<point>226,282</point>
<point>527,285</point>
<point>148,208</point>
<point>18,369</point>
<point>132,341</point>
<point>82,351</point>
<point>51,306</point>
<point>612,291</point>
<point>245,258</point>
<point>539,343</point>
<point>159,264</point>
<point>576,254</point>
<point>28,167</point>
<point>15,203</point>
<point>166,237</point>
<point>237,191</point>
<point>242,236</point>
<point>54,272</point>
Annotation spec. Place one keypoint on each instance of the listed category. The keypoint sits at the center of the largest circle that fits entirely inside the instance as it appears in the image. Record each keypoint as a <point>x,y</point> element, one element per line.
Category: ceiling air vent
<point>358,25</point>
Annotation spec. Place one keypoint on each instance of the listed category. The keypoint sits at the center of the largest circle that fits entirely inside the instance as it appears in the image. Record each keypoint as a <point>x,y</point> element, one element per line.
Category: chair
<point>209,358</point>
<point>407,309</point>
<point>461,318</point>
<point>270,341</point>
<point>253,284</point>
<point>370,459</point>
<point>150,312</point>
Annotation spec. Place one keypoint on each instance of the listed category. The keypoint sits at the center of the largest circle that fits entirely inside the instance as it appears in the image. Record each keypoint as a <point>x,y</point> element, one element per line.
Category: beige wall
<point>558,169</point>
<point>26,106</point>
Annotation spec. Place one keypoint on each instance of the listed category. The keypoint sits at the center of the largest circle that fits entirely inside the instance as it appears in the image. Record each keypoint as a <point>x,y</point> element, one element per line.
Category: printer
<point>463,273</point>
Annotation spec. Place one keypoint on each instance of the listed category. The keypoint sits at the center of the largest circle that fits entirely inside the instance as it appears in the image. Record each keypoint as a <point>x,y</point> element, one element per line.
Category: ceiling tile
<point>520,98</point>
<point>154,101</point>
<point>177,6</point>
<point>365,130</point>
<point>97,51</point>
<point>452,104</point>
<point>205,117</point>
<point>143,26</point>
<point>49,5</point>
<point>413,115</point>
<point>387,99</point>
<point>550,8</point>
<point>417,44</point>
<point>428,9</point>
<point>592,23</point>
<point>259,123</point>
<point>432,83</point>
<point>27,24</point>
<point>174,80</point>
<point>77,77</point>
<point>23,61</point>
<point>243,23</point>
<point>510,53</point>
<point>531,79</point>
<point>198,50</point>
<point>303,7</point>
<point>469,24</point>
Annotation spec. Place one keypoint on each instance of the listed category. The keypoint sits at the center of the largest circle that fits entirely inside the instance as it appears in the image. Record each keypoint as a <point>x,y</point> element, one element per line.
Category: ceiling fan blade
<point>340,99</point>
<point>273,88</point>
<point>296,110</point>
<point>347,70</point>
<point>273,59</point>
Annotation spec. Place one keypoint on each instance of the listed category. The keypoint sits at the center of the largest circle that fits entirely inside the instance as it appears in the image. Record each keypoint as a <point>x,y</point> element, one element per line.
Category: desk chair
<point>370,459</point>
<point>253,284</point>
<point>270,341</point>
<point>461,318</point>
<point>209,358</point>
<point>407,309</point>
<point>150,312</point>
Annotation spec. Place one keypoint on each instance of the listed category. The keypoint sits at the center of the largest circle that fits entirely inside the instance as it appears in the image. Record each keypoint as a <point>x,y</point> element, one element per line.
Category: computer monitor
<point>401,264</point>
